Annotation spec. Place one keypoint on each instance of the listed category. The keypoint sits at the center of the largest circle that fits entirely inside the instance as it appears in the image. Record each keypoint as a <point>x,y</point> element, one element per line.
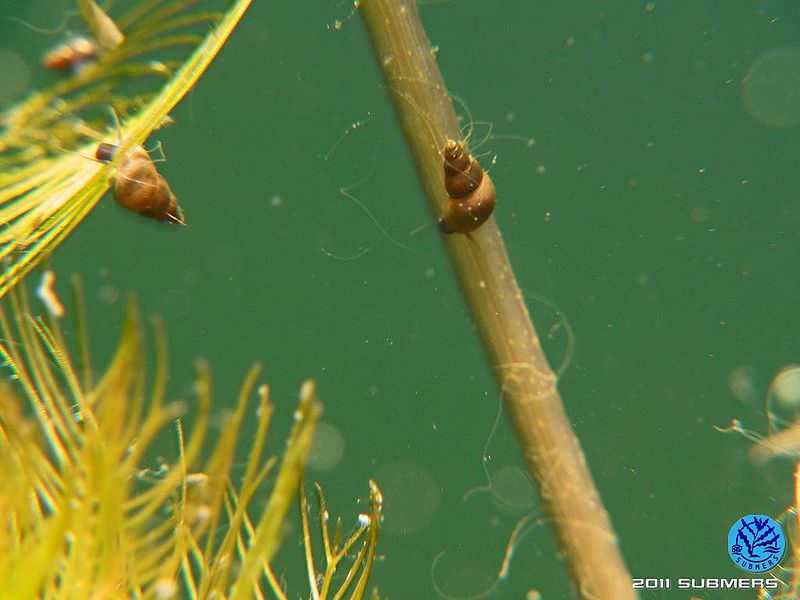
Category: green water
<point>657,209</point>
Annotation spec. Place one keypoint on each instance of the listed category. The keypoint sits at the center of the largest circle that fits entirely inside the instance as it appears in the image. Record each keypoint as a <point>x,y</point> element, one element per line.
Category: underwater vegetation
<point>89,513</point>
<point>781,441</point>
<point>62,147</point>
<point>528,385</point>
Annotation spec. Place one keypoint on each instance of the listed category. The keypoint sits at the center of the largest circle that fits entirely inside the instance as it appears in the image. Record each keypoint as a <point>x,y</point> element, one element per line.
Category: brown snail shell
<point>140,187</point>
<point>471,191</point>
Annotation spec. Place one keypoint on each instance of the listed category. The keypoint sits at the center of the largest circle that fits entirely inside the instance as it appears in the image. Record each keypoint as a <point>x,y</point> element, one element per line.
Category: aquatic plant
<point>89,513</point>
<point>49,179</point>
<point>528,385</point>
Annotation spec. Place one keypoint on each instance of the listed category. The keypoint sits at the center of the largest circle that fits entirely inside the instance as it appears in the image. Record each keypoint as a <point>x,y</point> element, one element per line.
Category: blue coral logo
<point>756,543</point>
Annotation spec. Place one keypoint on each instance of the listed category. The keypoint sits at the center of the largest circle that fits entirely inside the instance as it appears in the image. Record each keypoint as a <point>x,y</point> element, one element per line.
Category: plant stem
<point>550,449</point>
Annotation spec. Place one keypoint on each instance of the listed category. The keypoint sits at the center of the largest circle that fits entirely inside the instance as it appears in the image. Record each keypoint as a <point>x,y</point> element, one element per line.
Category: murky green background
<point>657,209</point>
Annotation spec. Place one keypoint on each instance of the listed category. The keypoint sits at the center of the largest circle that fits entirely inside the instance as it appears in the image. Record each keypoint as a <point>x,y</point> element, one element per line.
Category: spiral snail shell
<point>140,187</point>
<point>471,194</point>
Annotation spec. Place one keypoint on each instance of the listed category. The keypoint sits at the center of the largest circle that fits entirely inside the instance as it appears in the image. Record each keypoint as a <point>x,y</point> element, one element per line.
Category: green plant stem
<point>550,449</point>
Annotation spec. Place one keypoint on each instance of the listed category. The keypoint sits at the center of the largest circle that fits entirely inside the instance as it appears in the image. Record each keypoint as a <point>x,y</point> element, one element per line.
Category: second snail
<point>140,187</point>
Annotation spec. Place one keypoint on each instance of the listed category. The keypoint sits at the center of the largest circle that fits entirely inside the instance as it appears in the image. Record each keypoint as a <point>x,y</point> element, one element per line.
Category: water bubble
<point>108,294</point>
<point>512,488</point>
<point>412,496</point>
<point>771,87</point>
<point>327,450</point>
<point>741,383</point>
<point>460,578</point>
<point>786,386</point>
<point>15,76</point>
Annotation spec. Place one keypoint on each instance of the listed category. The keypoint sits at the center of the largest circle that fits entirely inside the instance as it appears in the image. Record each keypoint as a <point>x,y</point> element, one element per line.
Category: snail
<point>73,55</point>
<point>140,187</point>
<point>470,191</point>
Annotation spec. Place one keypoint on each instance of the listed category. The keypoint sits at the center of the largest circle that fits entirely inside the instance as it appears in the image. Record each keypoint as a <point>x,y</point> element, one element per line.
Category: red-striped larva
<point>72,55</point>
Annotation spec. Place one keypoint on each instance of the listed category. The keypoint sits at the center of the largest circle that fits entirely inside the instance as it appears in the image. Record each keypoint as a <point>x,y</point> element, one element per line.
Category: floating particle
<point>48,296</point>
